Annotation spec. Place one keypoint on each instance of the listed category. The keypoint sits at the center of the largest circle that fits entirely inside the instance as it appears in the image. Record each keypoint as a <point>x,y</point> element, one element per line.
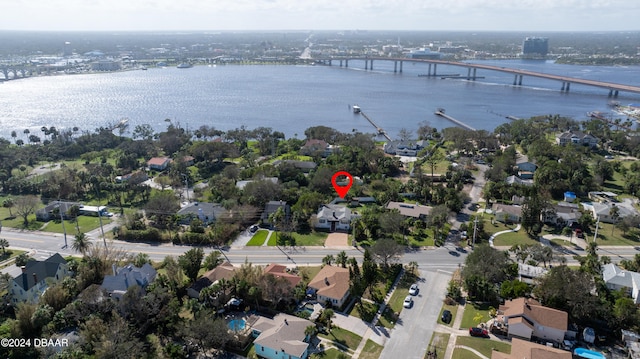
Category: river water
<point>293,98</point>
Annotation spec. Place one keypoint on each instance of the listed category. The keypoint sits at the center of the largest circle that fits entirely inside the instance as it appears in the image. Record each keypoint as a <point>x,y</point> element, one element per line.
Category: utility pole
<point>186,183</point>
<point>595,235</point>
<point>475,228</point>
<point>64,230</point>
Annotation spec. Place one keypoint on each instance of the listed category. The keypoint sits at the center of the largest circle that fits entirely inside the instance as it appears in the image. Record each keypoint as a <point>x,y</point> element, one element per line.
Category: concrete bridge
<point>11,72</point>
<point>566,81</point>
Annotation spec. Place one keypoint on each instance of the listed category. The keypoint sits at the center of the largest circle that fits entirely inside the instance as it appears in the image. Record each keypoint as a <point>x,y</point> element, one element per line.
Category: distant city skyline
<point>440,15</point>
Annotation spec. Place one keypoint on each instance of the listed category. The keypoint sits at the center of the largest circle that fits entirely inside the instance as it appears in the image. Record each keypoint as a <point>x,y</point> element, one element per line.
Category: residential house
<point>158,163</point>
<point>334,217</point>
<point>331,285</point>
<point>528,273</point>
<point>280,271</point>
<point>576,138</point>
<point>49,211</point>
<point>281,337</point>
<point>36,277</point>
<point>561,214</point>
<point>410,210</point>
<point>208,213</point>
<point>242,184</point>
<point>404,148</point>
<point>616,278</point>
<point>358,201</point>
<point>526,170</point>
<point>518,181</point>
<point>224,271</point>
<point>123,278</point>
<point>270,208</point>
<point>507,213</point>
<point>314,146</point>
<point>133,178</point>
<point>525,349</point>
<point>526,318</point>
<point>605,213</point>
<point>602,196</point>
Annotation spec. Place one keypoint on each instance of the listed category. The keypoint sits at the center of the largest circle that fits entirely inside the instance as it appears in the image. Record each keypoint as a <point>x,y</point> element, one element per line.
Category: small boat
<point>439,110</point>
<point>184,65</point>
<point>356,109</point>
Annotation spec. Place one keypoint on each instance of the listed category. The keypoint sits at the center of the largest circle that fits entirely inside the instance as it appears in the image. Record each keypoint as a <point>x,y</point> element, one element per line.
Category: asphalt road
<point>416,325</point>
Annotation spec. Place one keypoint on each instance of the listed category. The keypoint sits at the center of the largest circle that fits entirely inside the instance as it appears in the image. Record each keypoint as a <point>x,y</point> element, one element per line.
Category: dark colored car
<point>446,316</point>
<point>478,332</point>
<point>253,229</point>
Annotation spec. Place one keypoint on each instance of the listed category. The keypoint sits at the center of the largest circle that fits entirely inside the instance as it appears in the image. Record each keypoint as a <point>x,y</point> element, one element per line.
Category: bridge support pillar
<point>366,64</point>
<point>370,64</point>
<point>435,67</point>
<point>469,73</point>
<point>568,86</point>
<point>520,81</point>
<point>615,93</point>
<point>395,66</point>
<point>340,63</point>
<point>474,74</point>
<point>401,66</point>
<point>346,63</point>
<point>563,85</point>
<point>429,71</point>
<point>6,73</point>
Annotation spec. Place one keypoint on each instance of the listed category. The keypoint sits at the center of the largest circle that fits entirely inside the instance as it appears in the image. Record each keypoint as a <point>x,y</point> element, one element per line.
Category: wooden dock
<point>441,113</point>
<point>378,128</point>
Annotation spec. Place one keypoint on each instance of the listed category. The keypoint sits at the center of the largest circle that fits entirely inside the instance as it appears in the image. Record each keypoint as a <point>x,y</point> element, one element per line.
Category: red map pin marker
<point>342,190</point>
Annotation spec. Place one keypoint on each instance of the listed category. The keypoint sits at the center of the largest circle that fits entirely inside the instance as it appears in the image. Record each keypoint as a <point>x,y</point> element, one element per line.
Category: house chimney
<point>35,277</point>
<point>326,280</point>
<point>24,269</point>
<point>114,268</point>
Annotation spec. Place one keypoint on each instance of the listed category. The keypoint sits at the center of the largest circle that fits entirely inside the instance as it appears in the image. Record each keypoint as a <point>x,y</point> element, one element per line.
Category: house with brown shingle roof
<point>280,271</point>
<point>224,271</point>
<point>410,210</point>
<point>526,317</point>
<point>331,285</point>
<point>523,349</point>
<point>282,337</point>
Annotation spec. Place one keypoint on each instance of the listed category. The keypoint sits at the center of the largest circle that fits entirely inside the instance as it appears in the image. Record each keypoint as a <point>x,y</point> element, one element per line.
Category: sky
<point>418,15</point>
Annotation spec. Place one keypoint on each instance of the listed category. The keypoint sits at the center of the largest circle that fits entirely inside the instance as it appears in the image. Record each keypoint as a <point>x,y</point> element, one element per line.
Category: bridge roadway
<point>613,88</point>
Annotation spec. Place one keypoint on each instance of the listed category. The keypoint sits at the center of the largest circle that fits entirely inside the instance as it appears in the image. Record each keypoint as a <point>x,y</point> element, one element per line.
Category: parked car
<point>446,316</point>
<point>478,332</point>
<point>413,290</point>
<point>408,302</point>
<point>253,229</point>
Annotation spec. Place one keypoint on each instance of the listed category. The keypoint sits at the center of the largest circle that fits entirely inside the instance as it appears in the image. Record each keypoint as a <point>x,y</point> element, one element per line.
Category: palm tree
<point>4,244</point>
<point>81,243</point>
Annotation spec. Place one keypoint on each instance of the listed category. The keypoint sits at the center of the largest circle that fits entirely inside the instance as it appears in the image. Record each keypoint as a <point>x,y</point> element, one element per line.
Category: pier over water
<point>440,112</point>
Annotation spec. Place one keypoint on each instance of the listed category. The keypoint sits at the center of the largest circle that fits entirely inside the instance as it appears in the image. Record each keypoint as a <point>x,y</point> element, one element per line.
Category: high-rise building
<point>535,47</point>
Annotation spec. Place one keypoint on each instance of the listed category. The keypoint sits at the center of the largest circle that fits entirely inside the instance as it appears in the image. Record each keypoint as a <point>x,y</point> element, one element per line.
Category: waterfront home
<point>616,278</point>
<point>330,285</point>
<point>314,146</point>
<point>36,277</point>
<point>158,163</point>
<point>281,337</point>
<point>334,217</point>
<point>123,278</point>
<point>576,138</point>
<point>526,318</point>
<point>404,148</point>
<point>224,271</point>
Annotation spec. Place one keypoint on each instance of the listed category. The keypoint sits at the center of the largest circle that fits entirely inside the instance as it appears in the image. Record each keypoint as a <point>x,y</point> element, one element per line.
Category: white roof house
<point>617,278</point>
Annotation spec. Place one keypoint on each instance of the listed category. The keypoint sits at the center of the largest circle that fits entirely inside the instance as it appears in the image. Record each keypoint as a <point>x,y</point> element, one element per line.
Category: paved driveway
<point>411,335</point>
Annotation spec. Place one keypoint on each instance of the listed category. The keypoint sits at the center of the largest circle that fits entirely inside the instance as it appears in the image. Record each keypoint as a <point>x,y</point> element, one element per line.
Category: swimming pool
<point>588,354</point>
<point>237,324</point>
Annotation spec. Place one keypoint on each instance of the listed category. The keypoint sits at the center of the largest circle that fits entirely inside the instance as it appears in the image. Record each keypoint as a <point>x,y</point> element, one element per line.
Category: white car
<point>408,302</point>
<point>413,290</point>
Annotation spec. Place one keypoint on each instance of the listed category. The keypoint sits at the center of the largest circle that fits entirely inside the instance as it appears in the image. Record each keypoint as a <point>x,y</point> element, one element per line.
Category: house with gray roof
<point>126,277</point>
<point>576,138</point>
<point>270,208</point>
<point>334,217</point>
<point>281,337</point>
<point>616,278</point>
<point>49,211</point>
<point>410,209</point>
<point>404,148</point>
<point>36,277</point>
<point>507,213</point>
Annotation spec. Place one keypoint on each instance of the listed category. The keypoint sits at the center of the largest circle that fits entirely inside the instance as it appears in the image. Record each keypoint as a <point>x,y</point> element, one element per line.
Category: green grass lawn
<point>10,253</point>
<point>311,239</point>
<point>258,238</point>
<point>369,310</point>
<point>454,311</point>
<point>605,237</point>
<point>343,337</point>
<point>273,239</point>
<point>511,238</point>
<point>439,343</point>
<point>484,345</point>
<point>331,353</point>
<point>474,314</point>
<point>371,350</point>
<point>86,224</point>
<point>460,353</point>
